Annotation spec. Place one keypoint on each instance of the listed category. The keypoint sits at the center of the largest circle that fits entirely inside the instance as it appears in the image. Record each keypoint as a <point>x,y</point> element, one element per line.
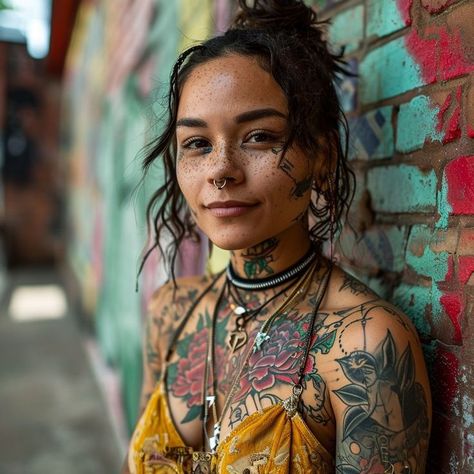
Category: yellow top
<point>274,440</point>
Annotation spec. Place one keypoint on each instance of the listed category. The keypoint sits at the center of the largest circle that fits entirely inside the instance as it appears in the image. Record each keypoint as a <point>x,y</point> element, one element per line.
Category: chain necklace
<point>210,401</point>
<point>238,337</point>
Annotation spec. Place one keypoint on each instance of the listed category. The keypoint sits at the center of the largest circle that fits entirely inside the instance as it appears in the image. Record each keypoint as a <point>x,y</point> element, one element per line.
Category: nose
<point>225,164</point>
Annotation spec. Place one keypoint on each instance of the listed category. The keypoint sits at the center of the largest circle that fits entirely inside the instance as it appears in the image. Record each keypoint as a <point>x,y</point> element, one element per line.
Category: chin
<point>234,243</point>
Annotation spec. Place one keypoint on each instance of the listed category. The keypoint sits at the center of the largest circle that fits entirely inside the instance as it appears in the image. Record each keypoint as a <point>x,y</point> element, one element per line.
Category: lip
<point>229,208</point>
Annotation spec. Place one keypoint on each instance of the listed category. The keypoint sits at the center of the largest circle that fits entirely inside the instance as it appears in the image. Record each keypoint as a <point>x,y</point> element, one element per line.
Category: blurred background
<point>82,88</point>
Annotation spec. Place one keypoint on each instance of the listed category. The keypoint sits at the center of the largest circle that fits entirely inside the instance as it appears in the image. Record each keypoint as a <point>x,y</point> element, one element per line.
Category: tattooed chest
<point>254,378</point>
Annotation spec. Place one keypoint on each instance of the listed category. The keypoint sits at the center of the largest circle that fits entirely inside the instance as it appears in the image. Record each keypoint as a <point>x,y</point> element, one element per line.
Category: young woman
<point>282,363</point>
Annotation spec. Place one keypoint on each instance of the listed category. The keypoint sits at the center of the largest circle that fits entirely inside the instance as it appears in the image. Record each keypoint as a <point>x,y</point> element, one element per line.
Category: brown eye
<point>199,144</point>
<point>261,137</point>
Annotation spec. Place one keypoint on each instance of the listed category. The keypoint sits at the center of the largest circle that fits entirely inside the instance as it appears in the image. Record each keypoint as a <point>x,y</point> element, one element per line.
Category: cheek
<point>185,175</point>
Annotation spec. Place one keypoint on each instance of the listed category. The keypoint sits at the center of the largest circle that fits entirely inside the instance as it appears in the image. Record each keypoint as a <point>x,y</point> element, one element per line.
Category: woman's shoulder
<point>172,300</point>
<point>361,320</point>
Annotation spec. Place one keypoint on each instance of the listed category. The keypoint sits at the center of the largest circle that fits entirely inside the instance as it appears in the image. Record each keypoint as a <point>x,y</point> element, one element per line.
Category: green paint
<point>401,188</point>
<point>430,264</point>
<point>417,122</point>
<point>388,71</point>
<point>347,28</point>
<point>414,301</point>
<point>444,208</point>
<point>383,18</point>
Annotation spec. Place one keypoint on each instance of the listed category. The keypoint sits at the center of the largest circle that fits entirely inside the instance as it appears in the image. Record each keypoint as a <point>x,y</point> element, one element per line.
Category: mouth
<point>230,208</point>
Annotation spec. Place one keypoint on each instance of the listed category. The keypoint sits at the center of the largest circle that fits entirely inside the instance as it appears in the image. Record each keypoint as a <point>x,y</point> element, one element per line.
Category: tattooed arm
<point>152,354</point>
<point>380,395</point>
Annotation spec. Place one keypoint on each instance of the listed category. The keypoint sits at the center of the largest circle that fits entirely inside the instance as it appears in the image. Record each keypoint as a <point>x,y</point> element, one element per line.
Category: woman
<point>283,363</point>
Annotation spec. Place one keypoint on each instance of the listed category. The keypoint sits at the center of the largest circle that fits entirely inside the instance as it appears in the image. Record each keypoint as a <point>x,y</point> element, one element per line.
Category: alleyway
<point>53,417</point>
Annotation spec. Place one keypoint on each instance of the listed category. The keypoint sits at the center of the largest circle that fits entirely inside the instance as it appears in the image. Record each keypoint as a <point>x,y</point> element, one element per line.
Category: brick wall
<point>411,114</point>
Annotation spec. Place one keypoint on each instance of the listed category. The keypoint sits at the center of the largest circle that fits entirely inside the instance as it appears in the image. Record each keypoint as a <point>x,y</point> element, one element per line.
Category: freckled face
<point>231,124</point>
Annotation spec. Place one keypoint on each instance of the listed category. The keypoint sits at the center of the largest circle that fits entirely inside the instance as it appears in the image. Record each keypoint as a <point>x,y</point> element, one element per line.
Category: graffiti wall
<point>411,113</point>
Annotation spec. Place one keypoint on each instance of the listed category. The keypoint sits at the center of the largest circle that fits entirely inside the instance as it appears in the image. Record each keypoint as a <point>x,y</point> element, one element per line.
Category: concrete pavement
<point>53,415</point>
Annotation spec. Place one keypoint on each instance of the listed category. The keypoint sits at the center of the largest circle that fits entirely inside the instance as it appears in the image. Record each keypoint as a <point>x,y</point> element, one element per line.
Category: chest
<point>237,382</point>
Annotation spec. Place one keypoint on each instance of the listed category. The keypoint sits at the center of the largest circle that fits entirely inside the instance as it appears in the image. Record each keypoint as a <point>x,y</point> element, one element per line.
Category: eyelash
<point>190,143</point>
<point>268,136</point>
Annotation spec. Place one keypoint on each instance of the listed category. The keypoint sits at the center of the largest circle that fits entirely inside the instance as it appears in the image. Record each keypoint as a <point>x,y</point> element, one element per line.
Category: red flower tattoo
<point>277,361</point>
<point>190,369</point>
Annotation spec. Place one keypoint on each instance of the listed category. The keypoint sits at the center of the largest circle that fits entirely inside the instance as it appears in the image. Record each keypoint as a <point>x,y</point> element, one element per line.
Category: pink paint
<point>450,273</point>
<point>404,7</point>
<point>465,268</point>
<point>453,306</point>
<point>436,6</point>
<point>460,178</point>
<point>445,379</point>
<point>450,123</point>
<point>452,60</point>
<point>424,50</point>
<point>438,52</point>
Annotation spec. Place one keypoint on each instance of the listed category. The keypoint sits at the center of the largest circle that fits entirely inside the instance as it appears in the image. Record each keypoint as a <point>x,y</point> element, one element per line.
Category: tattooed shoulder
<point>166,308</point>
<point>354,286</point>
<point>380,395</point>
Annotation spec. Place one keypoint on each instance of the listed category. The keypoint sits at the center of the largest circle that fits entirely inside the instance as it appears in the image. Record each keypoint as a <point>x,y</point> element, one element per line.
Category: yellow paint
<point>218,260</point>
<point>195,21</point>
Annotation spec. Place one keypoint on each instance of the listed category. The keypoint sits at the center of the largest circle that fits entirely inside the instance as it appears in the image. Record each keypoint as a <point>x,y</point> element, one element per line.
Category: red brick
<point>436,6</point>
<point>466,242</point>
<point>460,178</point>
<point>470,111</point>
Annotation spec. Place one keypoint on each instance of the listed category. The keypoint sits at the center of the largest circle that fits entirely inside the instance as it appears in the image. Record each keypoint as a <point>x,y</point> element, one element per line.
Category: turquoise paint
<point>444,208</point>
<point>417,122</point>
<point>347,29</point>
<point>401,188</point>
<point>383,18</point>
<point>414,301</point>
<point>388,71</point>
<point>430,264</point>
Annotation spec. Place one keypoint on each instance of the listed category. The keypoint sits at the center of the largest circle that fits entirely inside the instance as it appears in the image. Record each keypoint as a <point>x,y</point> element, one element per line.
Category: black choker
<point>278,279</point>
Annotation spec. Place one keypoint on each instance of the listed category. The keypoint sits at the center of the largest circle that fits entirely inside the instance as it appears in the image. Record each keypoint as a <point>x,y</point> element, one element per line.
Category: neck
<point>271,256</point>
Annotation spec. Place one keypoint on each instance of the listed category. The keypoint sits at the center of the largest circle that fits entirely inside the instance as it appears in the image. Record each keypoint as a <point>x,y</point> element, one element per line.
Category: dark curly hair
<point>287,40</point>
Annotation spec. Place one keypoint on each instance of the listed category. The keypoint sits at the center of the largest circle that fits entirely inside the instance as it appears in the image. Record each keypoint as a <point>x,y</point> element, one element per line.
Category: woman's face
<point>231,123</point>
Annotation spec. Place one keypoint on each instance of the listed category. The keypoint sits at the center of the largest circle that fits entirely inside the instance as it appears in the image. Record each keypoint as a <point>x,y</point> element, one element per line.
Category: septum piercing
<point>219,183</point>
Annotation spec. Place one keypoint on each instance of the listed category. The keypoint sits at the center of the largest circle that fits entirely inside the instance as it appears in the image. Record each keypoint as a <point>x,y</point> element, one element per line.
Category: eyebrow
<point>241,118</point>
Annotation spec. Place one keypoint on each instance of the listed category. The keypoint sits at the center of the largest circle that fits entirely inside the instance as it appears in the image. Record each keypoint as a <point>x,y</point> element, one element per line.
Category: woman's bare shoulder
<point>348,298</point>
<point>174,297</point>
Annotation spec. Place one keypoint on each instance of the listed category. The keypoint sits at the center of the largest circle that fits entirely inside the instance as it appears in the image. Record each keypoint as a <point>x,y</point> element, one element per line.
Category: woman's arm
<point>380,395</point>
<point>152,350</point>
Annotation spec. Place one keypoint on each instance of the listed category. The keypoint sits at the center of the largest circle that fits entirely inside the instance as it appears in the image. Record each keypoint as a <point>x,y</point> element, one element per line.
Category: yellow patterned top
<point>274,440</point>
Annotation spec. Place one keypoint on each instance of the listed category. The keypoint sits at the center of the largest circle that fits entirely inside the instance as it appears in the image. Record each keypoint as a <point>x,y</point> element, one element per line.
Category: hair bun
<point>274,14</point>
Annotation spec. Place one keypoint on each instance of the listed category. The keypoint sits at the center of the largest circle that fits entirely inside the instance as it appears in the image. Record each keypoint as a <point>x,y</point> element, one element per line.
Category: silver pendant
<point>214,440</point>
<point>238,310</point>
<point>260,338</point>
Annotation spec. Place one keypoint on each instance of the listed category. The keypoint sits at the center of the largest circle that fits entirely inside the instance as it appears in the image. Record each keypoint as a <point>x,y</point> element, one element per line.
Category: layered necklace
<point>238,337</point>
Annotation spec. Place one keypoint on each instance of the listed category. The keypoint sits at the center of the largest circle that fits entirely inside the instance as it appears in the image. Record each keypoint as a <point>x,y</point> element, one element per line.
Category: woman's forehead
<point>232,80</point>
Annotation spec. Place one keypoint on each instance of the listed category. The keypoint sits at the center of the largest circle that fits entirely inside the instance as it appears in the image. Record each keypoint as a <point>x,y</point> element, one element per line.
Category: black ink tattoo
<point>258,258</point>
<point>355,286</point>
<point>386,423</point>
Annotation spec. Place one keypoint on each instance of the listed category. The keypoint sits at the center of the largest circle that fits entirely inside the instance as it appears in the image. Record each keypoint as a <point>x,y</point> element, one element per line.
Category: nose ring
<point>219,183</point>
